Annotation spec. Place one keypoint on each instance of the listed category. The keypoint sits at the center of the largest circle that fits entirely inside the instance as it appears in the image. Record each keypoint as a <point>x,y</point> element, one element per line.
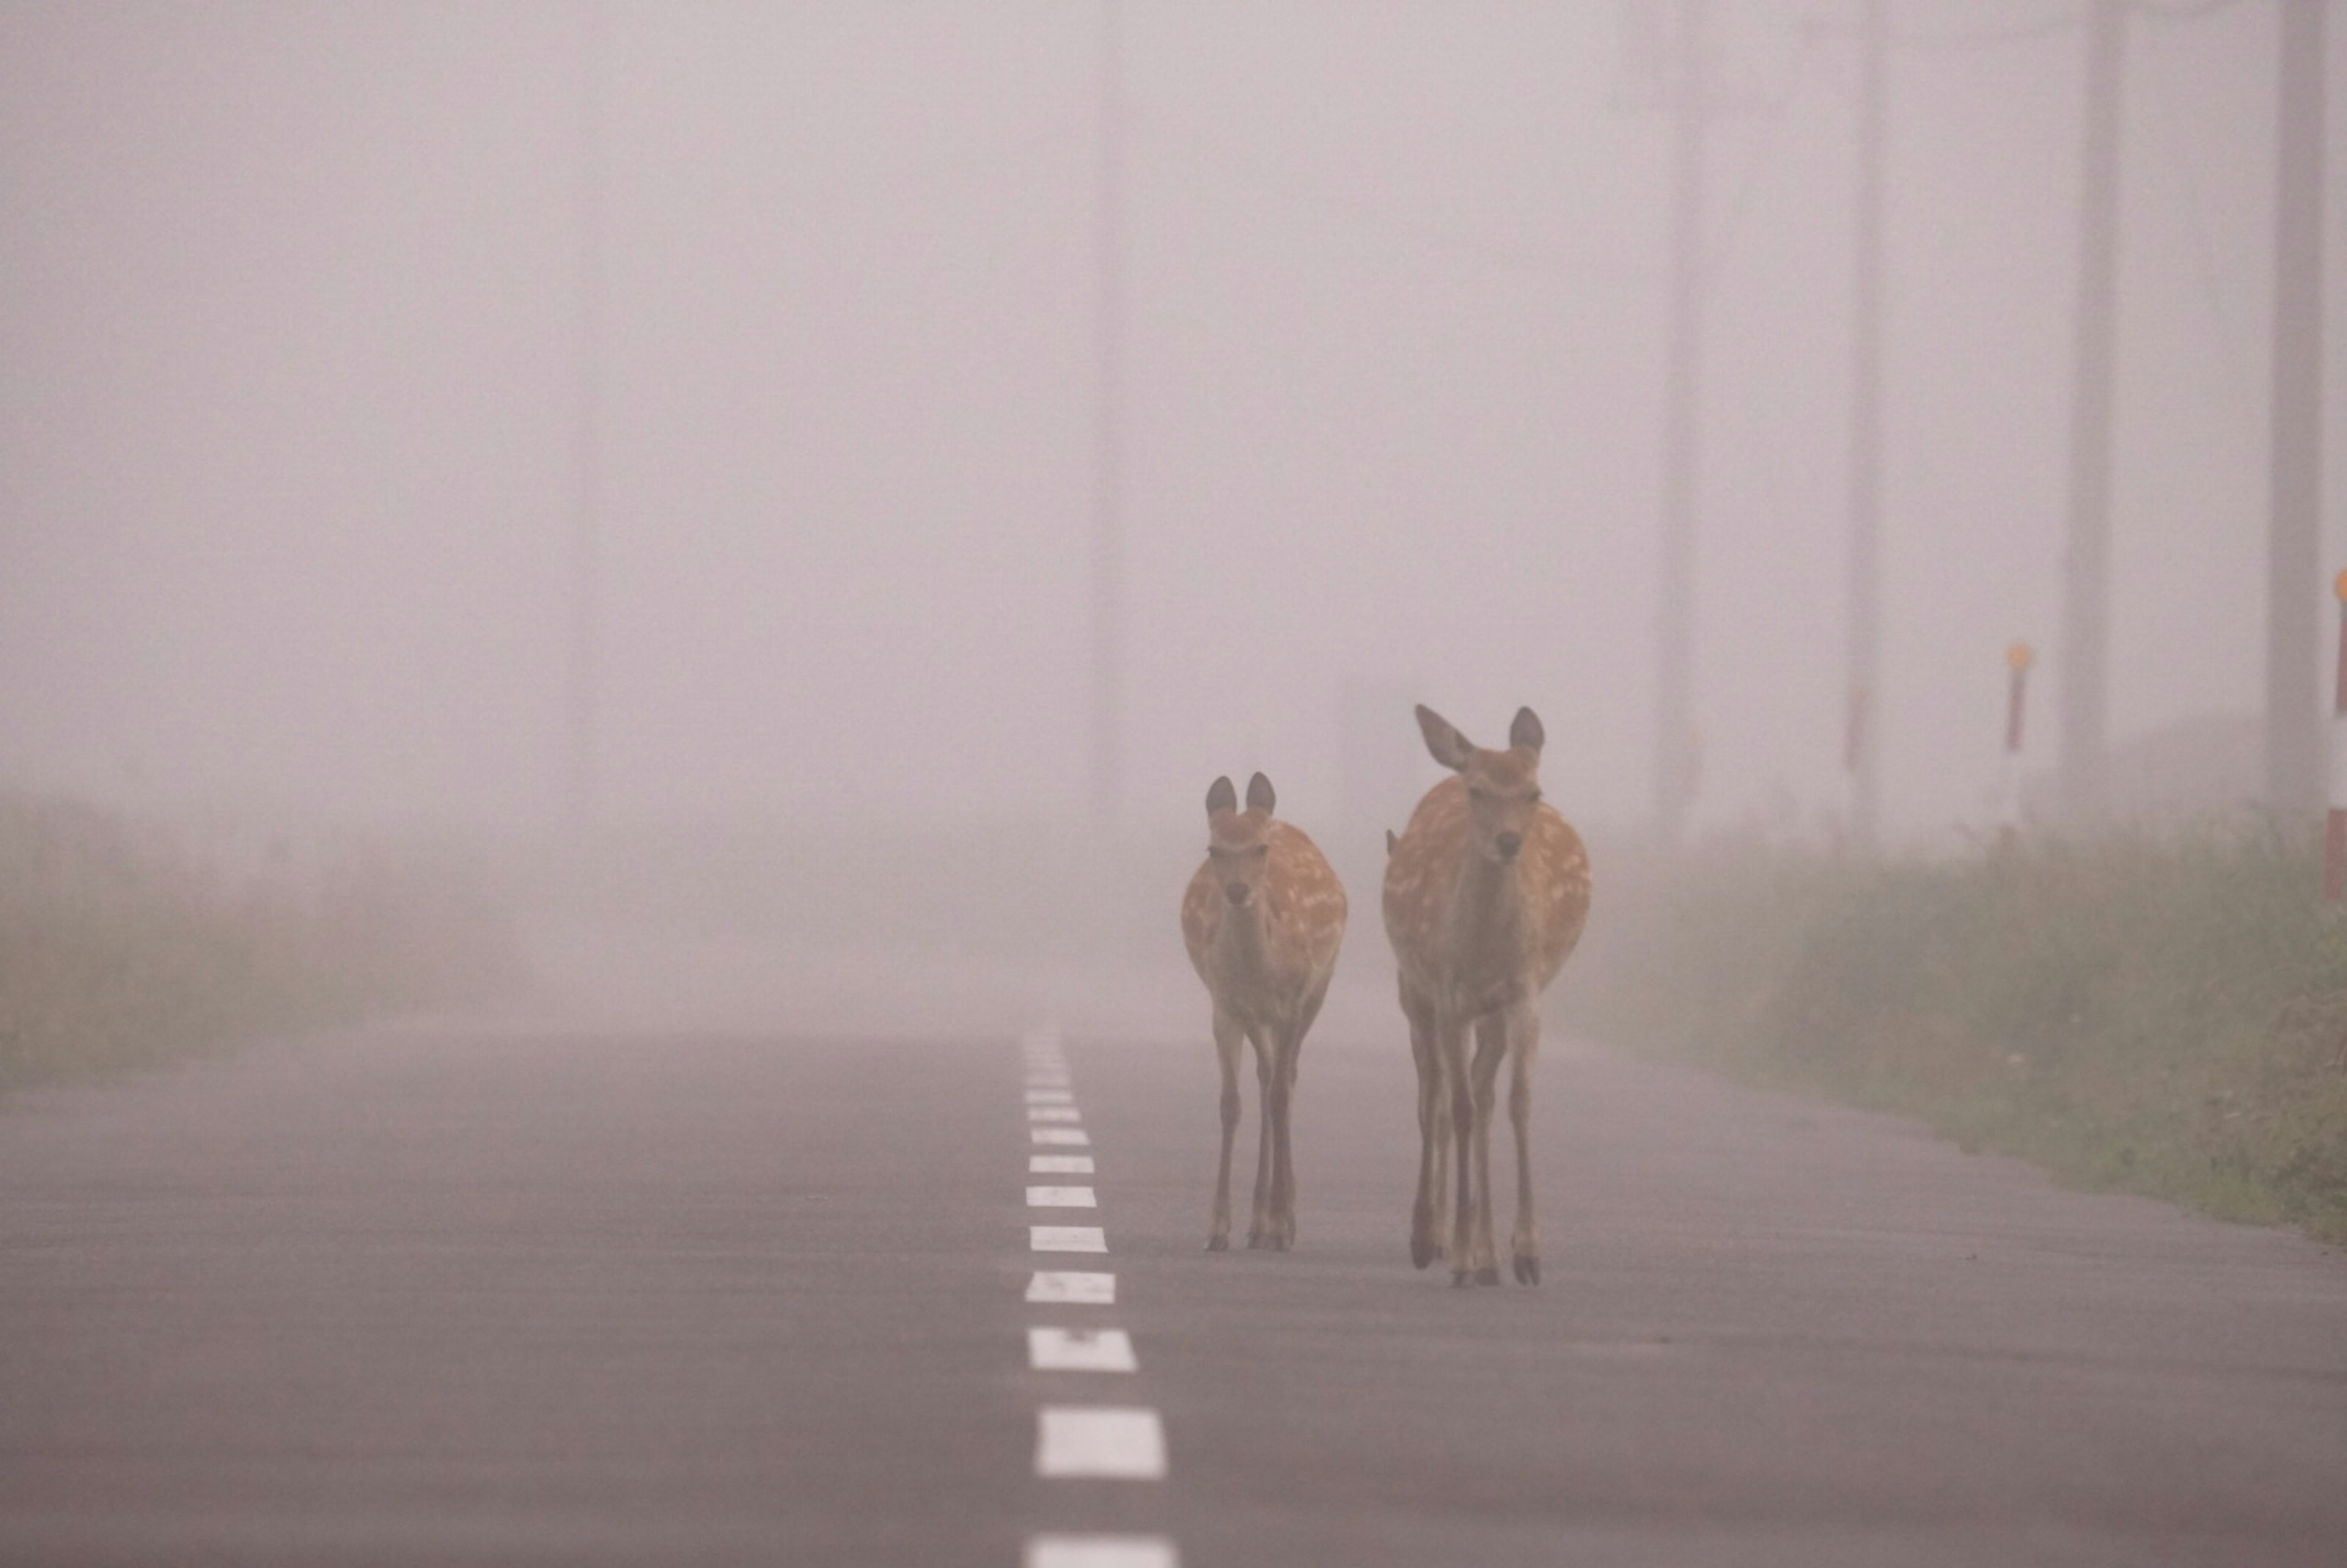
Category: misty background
<point>294,356</point>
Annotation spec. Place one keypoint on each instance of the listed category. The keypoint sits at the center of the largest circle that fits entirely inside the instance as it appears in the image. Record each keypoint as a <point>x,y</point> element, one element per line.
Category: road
<point>554,1294</point>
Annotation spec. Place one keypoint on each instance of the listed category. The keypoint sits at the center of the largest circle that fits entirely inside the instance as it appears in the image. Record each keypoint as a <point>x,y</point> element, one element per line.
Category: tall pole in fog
<point>585,539</point>
<point>1861,745</point>
<point>2294,528</point>
<point>1675,739</point>
<point>2086,586</point>
<point>1107,650</point>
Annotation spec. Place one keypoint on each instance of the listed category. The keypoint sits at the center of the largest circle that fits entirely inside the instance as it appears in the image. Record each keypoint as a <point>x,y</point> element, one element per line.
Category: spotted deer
<point>1263,919</point>
<point>1486,892</point>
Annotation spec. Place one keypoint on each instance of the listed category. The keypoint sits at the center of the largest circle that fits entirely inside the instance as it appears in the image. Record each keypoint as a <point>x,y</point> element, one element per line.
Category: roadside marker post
<point>2018,658</point>
<point>2334,827</point>
<point>1857,812</point>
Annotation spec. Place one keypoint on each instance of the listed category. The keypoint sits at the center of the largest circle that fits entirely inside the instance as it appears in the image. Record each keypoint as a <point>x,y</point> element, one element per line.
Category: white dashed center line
<point>1101,1551</point>
<point>1068,1288</point>
<point>1080,1350</point>
<point>1066,1238</point>
<point>1109,1441</point>
<point>1114,1442</point>
<point>1062,1198</point>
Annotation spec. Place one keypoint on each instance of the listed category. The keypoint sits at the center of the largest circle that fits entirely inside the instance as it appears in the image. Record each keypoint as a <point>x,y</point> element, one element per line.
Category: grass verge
<point>2157,1012</point>
<point>120,949</point>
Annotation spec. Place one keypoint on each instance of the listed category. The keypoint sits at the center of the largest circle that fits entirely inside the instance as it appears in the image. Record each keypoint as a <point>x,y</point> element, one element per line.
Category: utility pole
<point>2087,586</point>
<point>1675,739</point>
<point>2294,528</point>
<point>585,539</point>
<point>1107,650</point>
<point>1861,749</point>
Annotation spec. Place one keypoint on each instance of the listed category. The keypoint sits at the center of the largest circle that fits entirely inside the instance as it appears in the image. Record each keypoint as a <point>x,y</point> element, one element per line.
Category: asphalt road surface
<point>552,1295</point>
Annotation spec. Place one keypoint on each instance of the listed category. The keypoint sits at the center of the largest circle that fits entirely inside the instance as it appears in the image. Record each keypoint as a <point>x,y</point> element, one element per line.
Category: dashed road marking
<point>1116,1442</point>
<point>1102,1552</point>
<point>1120,1442</point>
<point>1066,1238</point>
<point>1080,1350</point>
<point>1071,1287</point>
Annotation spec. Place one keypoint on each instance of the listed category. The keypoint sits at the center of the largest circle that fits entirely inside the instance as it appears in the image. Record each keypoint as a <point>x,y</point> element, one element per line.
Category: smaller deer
<point>1263,919</point>
<point>1486,892</point>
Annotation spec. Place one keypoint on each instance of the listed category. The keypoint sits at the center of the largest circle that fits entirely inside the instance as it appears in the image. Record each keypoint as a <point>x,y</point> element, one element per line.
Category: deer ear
<point>1450,747</point>
<point>1221,798</point>
<point>1259,796</point>
<point>1525,733</point>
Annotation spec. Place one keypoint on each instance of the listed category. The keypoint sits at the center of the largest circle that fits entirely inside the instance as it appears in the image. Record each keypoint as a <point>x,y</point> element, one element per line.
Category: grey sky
<point>287,421</point>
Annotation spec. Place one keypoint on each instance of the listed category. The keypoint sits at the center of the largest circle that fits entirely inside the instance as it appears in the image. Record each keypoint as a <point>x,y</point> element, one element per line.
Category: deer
<point>1262,918</point>
<point>1486,893</point>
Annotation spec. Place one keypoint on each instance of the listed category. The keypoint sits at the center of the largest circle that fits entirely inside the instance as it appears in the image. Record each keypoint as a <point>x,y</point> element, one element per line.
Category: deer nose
<point>1237,892</point>
<point>1508,844</point>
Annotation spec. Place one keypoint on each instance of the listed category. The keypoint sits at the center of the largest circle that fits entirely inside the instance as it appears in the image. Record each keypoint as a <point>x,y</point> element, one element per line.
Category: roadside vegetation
<point>2162,1012</point>
<point>121,948</point>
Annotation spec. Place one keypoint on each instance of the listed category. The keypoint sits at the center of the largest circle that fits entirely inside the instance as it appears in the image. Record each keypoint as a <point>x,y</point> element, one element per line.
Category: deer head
<point>1503,787</point>
<point>1238,844</point>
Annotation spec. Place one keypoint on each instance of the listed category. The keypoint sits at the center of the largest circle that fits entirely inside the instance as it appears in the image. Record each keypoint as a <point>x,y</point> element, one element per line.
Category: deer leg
<point>1438,1093</point>
<point>1229,1042</point>
<point>1526,1244</point>
<point>1490,1048</point>
<point>1462,1142</point>
<point>1425,1239</point>
<point>1259,1229</point>
<point>1283,1163</point>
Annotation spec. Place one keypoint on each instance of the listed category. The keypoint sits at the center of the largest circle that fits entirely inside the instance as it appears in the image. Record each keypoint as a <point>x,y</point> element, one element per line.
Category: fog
<point>291,450</point>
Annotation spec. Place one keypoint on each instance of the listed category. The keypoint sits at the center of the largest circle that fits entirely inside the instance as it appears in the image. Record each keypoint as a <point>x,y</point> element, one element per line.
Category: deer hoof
<point>1218,1243</point>
<point>1527,1269</point>
<point>1460,1279</point>
<point>1422,1252</point>
<point>1488,1274</point>
<point>1257,1241</point>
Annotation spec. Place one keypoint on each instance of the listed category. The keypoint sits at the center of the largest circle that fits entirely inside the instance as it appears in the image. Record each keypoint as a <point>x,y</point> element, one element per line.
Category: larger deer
<point>1486,892</point>
<point>1263,919</point>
